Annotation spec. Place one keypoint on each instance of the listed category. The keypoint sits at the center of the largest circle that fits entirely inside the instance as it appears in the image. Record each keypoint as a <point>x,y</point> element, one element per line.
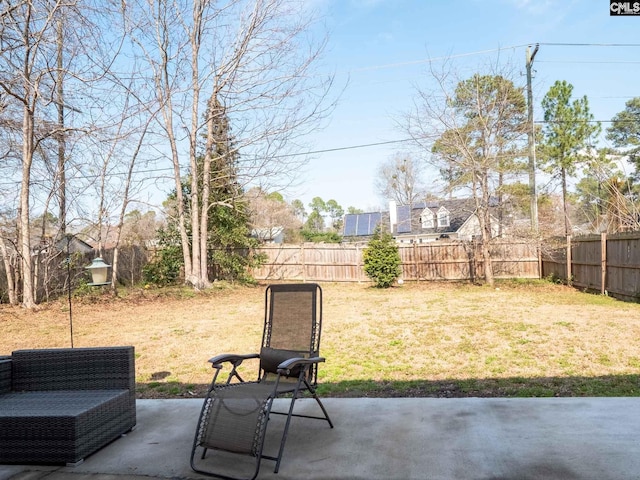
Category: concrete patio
<point>402,438</point>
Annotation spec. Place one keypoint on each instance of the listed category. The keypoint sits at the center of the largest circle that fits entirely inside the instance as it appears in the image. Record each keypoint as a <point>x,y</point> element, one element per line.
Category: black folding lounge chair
<point>235,413</point>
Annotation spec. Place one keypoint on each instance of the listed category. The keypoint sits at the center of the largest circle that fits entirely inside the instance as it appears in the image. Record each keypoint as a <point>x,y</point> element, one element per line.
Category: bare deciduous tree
<point>270,213</point>
<point>27,29</point>
<point>252,58</point>
<point>400,179</point>
<point>474,128</point>
<point>57,78</point>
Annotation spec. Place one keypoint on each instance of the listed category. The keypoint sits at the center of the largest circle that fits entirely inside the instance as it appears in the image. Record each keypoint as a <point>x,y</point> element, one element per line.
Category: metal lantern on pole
<point>99,270</point>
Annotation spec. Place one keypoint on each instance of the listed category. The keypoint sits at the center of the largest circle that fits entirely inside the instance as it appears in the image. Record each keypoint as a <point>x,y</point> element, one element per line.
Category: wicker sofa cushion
<point>109,368</point>
<point>60,426</point>
<point>5,374</point>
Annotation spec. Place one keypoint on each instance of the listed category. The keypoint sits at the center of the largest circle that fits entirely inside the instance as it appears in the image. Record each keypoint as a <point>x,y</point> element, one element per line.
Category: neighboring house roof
<point>408,219</point>
<point>74,245</point>
<point>269,234</point>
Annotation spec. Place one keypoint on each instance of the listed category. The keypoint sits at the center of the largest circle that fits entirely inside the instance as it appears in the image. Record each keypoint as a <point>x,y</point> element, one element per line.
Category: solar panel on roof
<point>374,220</point>
<point>350,223</point>
<point>404,219</point>
<point>363,224</point>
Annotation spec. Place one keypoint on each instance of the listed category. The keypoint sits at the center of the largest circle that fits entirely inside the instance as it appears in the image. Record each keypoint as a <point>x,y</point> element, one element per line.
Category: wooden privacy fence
<point>51,277</point>
<point>427,261</point>
<point>609,264</point>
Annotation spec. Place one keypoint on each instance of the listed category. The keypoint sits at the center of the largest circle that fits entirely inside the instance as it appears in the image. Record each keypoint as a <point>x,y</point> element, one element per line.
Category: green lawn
<point>527,338</point>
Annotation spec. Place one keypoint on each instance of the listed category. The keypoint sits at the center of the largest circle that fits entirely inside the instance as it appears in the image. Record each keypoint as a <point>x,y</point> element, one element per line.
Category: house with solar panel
<point>453,219</point>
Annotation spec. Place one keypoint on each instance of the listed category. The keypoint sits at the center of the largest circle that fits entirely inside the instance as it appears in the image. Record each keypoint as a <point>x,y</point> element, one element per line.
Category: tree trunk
<point>206,184</point>
<point>62,176</point>
<point>114,270</point>
<point>567,227</point>
<point>484,217</point>
<point>8,268</point>
<point>184,238</point>
<point>28,300</point>
<point>198,218</point>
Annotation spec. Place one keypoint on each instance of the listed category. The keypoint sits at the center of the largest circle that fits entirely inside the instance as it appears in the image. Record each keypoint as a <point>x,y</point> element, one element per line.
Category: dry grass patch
<point>430,339</point>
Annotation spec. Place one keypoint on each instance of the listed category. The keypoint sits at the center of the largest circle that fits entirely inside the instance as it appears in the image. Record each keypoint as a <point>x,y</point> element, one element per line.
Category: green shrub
<point>317,237</point>
<point>165,268</point>
<point>382,259</point>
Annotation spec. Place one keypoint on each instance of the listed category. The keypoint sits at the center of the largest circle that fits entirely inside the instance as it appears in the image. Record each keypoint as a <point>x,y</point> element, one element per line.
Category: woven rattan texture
<point>42,422</point>
<point>5,376</point>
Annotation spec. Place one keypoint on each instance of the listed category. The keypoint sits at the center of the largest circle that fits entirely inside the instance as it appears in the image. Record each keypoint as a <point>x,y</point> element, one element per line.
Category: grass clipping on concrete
<point>529,338</point>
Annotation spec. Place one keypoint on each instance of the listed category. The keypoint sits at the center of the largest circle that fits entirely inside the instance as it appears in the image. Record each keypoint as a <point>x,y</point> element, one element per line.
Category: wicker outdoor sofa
<point>57,406</point>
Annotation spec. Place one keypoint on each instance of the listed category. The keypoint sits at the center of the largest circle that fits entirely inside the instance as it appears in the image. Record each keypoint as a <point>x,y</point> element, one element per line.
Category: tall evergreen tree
<point>224,217</point>
<point>315,221</point>
<point>624,133</point>
<point>567,133</point>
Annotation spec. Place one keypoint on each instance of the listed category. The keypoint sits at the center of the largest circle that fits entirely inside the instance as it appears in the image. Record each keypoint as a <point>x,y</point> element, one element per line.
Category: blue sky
<point>381,48</point>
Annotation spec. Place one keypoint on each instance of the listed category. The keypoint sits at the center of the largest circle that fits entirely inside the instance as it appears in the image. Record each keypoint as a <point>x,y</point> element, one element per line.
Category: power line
<point>429,60</point>
<point>316,152</point>
<point>607,62</point>
<point>349,147</point>
<point>585,121</point>
<point>492,50</point>
<point>436,59</point>
<point>552,44</point>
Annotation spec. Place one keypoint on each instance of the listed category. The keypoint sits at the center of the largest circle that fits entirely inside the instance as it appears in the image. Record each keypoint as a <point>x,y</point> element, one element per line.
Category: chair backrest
<point>292,325</point>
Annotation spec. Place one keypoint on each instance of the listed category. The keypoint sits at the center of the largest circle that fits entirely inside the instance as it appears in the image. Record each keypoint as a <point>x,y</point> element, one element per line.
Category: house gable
<point>427,219</point>
<point>444,218</point>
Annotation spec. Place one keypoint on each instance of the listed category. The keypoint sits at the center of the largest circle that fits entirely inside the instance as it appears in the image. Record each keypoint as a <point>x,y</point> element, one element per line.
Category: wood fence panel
<point>437,261</point>
<point>623,267</point>
<point>554,260</point>
<point>428,261</point>
<point>333,263</point>
<point>284,262</point>
<point>585,263</point>
<point>607,263</point>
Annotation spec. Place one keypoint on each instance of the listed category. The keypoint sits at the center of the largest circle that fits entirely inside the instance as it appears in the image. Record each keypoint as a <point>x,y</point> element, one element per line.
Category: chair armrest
<point>234,359</point>
<point>288,365</point>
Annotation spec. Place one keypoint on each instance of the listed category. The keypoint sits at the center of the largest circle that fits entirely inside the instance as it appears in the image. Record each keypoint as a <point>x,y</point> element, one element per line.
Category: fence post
<point>539,255</point>
<point>603,263</point>
<point>304,263</point>
<point>569,260</point>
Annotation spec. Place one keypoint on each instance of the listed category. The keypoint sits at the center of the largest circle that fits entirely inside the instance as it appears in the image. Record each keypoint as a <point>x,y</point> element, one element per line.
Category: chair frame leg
<point>290,414</point>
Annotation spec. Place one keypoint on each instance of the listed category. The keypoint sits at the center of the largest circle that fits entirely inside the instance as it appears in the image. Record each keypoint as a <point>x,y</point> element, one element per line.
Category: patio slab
<point>386,439</point>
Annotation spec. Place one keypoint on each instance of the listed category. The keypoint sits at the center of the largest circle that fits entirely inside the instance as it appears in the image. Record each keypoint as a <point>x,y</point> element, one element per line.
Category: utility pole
<point>532,143</point>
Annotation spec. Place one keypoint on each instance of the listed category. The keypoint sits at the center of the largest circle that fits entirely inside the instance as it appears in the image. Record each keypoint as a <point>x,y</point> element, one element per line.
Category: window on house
<point>443,217</point>
<point>427,220</point>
